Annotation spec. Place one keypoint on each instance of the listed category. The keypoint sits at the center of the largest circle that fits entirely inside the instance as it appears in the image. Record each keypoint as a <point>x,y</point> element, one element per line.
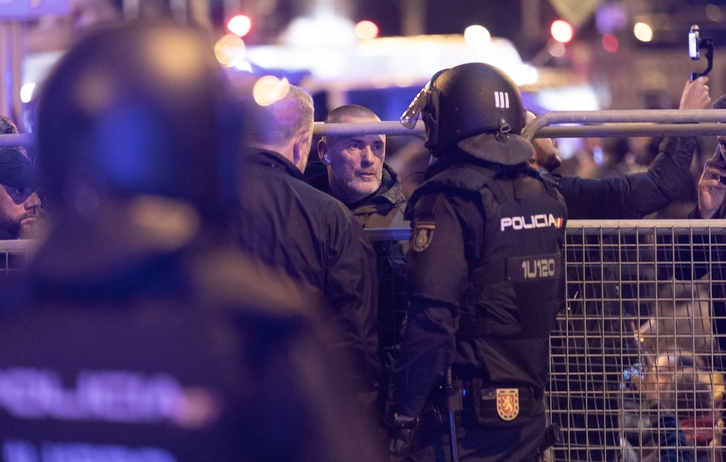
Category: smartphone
<point>694,42</point>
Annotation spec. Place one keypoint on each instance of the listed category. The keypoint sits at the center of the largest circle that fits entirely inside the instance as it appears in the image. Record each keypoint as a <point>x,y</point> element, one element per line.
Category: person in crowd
<point>586,393</point>
<point>286,223</point>
<point>634,195</point>
<point>711,188</point>
<point>618,160</point>
<point>20,205</point>
<point>711,205</point>
<point>139,332</point>
<point>357,173</point>
<point>680,413</point>
<point>486,279</point>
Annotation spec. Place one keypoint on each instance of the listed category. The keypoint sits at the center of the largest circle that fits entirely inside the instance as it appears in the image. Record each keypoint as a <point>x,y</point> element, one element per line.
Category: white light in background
<point>477,36</point>
<point>573,98</point>
<point>323,30</point>
<point>243,65</point>
<point>527,75</point>
<point>240,25</point>
<point>643,32</point>
<point>26,92</point>
<point>562,31</point>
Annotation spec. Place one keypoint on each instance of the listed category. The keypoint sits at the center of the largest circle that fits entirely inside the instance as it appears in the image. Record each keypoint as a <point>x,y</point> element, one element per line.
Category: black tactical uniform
<point>485,272</point>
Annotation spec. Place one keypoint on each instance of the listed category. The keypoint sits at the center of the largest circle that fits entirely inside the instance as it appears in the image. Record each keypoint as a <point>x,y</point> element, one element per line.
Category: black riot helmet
<point>140,108</point>
<point>465,101</point>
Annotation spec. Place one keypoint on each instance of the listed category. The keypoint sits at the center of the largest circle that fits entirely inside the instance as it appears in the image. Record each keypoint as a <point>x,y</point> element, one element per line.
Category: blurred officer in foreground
<point>136,335</point>
<point>486,278</point>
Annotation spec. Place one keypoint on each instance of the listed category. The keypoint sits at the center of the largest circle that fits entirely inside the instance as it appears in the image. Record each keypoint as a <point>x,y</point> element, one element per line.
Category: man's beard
<point>13,229</point>
<point>352,189</point>
<point>9,227</point>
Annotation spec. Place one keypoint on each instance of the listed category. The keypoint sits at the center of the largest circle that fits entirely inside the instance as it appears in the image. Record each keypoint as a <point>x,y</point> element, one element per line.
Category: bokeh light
<point>26,92</point>
<point>229,50</point>
<point>477,36</point>
<point>556,49</point>
<point>366,30</point>
<point>269,89</point>
<point>240,25</point>
<point>610,43</point>
<point>562,31</point>
<point>643,32</point>
<point>713,12</point>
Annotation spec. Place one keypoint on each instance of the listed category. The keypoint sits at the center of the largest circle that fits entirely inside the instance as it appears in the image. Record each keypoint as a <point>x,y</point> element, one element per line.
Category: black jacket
<point>632,196</point>
<point>382,209</point>
<point>454,246</point>
<point>288,224</point>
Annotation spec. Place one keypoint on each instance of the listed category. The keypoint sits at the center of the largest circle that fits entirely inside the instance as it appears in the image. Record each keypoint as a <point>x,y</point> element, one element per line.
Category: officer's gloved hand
<point>400,436</point>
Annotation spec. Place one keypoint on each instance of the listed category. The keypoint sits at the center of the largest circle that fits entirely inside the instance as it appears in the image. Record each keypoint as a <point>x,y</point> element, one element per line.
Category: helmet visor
<point>413,113</point>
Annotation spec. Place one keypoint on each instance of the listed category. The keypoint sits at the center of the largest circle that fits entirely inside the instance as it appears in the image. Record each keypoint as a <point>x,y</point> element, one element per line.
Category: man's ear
<point>323,152</point>
<point>301,148</point>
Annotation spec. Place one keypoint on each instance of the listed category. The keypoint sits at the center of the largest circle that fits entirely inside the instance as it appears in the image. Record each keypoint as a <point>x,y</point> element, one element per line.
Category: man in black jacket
<point>288,224</point>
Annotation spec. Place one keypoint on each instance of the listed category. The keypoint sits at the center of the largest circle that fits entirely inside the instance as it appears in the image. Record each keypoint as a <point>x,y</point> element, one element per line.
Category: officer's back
<point>485,273</point>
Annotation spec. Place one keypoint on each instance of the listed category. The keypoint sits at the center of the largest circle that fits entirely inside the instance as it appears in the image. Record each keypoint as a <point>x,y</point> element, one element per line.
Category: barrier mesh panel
<point>636,364</point>
<point>14,256</point>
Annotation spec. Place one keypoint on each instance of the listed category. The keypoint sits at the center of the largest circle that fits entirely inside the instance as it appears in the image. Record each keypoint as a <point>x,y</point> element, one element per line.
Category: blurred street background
<point>564,54</point>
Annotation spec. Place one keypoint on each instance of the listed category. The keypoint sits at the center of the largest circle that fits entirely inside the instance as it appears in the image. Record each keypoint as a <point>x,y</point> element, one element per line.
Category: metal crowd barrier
<point>589,124</point>
<point>646,305</point>
<point>14,255</point>
<point>638,122</point>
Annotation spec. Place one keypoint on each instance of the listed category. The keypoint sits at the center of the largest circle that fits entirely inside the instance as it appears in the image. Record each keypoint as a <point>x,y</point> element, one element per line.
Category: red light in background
<point>240,25</point>
<point>610,43</point>
<point>366,30</point>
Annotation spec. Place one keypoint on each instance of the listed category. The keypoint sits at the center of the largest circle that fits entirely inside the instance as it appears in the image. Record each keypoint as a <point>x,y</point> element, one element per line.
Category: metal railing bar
<point>22,139</point>
<point>673,116</point>
<point>589,227</point>
<point>622,123</point>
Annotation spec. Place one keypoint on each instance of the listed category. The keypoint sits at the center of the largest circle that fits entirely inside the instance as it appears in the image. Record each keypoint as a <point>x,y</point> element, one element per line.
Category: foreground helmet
<point>140,108</point>
<point>465,101</point>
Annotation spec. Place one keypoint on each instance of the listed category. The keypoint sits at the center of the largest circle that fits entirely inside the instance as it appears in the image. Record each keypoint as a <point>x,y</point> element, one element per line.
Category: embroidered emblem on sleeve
<point>422,235</point>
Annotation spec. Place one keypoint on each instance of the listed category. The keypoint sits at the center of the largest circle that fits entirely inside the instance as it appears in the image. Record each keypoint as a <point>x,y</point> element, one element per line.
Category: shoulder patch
<point>421,235</point>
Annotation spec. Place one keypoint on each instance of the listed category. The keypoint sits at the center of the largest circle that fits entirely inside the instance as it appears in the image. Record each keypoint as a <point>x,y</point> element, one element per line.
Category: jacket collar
<point>274,160</point>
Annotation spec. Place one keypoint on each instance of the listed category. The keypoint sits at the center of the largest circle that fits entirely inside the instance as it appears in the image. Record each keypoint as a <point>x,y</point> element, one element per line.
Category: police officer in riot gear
<point>485,273</point>
<point>138,334</point>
